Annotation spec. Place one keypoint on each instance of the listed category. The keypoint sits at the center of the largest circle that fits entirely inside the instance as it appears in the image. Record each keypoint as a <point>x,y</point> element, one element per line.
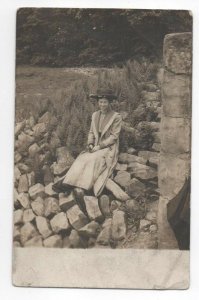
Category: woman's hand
<point>96,148</point>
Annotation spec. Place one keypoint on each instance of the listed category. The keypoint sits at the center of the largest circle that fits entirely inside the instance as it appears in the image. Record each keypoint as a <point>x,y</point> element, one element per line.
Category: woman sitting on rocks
<point>93,167</point>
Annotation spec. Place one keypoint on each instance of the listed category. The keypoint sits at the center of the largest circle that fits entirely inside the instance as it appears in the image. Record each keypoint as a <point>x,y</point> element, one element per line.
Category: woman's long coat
<point>100,164</point>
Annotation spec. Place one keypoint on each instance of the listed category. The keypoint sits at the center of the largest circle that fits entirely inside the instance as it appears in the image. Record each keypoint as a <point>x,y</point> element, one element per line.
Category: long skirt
<point>86,169</point>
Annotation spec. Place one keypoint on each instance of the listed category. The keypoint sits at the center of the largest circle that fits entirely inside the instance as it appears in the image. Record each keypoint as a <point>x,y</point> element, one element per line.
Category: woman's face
<point>103,104</point>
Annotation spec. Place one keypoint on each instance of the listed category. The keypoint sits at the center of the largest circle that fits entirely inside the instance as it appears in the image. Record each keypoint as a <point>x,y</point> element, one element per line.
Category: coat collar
<point>106,122</point>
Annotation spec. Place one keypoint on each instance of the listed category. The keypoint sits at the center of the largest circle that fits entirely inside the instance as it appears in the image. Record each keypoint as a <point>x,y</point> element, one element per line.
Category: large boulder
<point>54,241</point>
<point>66,202</point>
<point>76,217</point>
<point>38,206</point>
<point>40,129</point>
<point>92,208</point>
<point>128,158</point>
<point>118,228</point>
<point>76,241</point>
<point>19,127</point>
<point>122,178</point>
<point>104,205</point>
<point>178,52</point>
<point>28,215</point>
<point>147,154</point>
<point>59,223</point>
<point>24,141</point>
<point>51,207</point>
<point>49,191</point>
<point>37,190</point>
<point>23,185</point>
<point>43,227</point>
<point>28,231</point>
<point>105,234</point>
<point>142,172</point>
<point>18,216</point>
<point>24,200</point>
<point>136,188</point>
<point>92,229</point>
<point>33,149</point>
<point>34,242</point>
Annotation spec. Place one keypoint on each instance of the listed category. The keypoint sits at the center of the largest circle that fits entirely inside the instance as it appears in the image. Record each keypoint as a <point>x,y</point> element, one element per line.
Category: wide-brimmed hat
<point>104,93</point>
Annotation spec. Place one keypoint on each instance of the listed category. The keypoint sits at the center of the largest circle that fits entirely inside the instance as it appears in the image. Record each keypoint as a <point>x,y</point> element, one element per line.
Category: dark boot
<point>79,197</point>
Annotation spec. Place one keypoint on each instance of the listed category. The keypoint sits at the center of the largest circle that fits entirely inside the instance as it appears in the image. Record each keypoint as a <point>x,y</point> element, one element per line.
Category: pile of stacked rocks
<point>44,218</point>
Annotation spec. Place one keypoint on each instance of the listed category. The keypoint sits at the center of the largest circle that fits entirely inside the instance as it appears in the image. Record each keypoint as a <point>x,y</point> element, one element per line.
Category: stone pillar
<point>175,129</point>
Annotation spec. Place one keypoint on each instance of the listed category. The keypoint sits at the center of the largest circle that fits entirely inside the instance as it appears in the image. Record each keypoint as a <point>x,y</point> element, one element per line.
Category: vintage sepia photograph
<point>102,130</point>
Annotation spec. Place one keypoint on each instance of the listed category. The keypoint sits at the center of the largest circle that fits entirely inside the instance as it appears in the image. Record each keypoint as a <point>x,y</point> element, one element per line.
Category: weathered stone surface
<point>51,207</point>
<point>32,121</point>
<point>92,208</point>
<point>122,178</point>
<point>18,216</point>
<point>23,168</point>
<point>54,241</point>
<point>59,169</point>
<point>24,141</point>
<point>59,222</point>
<point>17,173</point>
<point>49,191</point>
<point>176,94</point>
<point>151,216</point>
<point>150,96</point>
<point>105,235</point>
<point>153,162</point>
<point>43,226</point>
<point>132,205</point>
<point>172,171</point>
<point>45,118</point>
<point>104,205</point>
<point>37,190</point>
<point>34,242</point>
<point>92,229</point>
<point>28,215</point>
<point>157,137</point>
<point>147,154</point>
<point>128,158</point>
<point>118,227</point>
<point>24,200</point>
<point>155,126</point>
<point>17,157</point>
<point>76,217</point>
<point>31,179</point>
<point>39,129</point>
<point>144,224</point>
<point>153,228</point>
<point>23,184</point>
<point>136,188</point>
<point>116,190</point>
<point>64,156</point>
<point>142,172</point>
<point>121,167</point>
<point>151,87</point>
<point>115,204</point>
<point>176,141</point>
<point>47,174</point>
<point>28,231</point>
<point>38,206</point>
<point>156,147</point>
<point>66,202</point>
<point>76,241</point>
<point>55,141</point>
<point>19,127</point>
<point>33,149</point>
<point>177,52</point>
<point>132,151</point>
<point>16,244</point>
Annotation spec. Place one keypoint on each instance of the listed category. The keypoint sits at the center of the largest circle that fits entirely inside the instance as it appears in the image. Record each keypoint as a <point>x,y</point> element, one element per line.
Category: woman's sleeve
<point>114,133</point>
<point>91,137</point>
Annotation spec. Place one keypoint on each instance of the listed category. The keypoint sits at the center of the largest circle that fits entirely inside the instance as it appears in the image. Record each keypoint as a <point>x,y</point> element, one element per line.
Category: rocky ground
<point>43,218</point>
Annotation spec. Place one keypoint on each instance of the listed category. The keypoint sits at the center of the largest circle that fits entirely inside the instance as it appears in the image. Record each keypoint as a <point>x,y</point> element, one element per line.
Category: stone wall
<point>175,129</point>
